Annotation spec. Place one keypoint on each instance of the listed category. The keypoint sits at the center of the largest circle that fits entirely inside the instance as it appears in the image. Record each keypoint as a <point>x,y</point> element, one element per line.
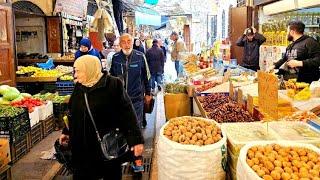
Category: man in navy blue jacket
<point>131,66</point>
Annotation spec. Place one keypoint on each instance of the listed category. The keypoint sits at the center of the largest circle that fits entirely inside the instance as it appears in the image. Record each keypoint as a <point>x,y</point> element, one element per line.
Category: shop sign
<point>262,2</point>
<point>77,8</point>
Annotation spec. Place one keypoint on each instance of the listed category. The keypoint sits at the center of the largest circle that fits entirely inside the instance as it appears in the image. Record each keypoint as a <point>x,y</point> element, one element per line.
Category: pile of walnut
<point>277,162</point>
<point>192,131</point>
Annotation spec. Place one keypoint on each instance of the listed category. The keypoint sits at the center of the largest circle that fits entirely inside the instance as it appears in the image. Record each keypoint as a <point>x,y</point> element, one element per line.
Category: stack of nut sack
<point>222,109</point>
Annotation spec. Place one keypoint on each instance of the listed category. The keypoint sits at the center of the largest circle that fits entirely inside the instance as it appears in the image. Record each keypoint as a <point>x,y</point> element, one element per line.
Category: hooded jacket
<point>307,50</point>
<point>92,51</point>
<point>155,58</point>
<point>251,50</point>
<point>111,108</point>
<point>134,72</point>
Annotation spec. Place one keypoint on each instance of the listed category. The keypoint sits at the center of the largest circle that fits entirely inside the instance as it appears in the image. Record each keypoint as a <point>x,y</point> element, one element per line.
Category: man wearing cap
<point>155,59</point>
<point>86,48</point>
<point>251,40</point>
<point>177,48</point>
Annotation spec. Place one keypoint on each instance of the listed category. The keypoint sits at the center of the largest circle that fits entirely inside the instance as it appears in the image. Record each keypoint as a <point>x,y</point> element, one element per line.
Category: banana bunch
<point>47,73</point>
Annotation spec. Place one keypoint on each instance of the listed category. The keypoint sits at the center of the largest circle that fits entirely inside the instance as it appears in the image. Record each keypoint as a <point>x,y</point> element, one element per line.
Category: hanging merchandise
<point>102,21</point>
<point>117,12</point>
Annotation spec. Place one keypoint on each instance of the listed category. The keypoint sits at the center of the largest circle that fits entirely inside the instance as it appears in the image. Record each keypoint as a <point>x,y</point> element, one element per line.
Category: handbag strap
<point>91,117</point>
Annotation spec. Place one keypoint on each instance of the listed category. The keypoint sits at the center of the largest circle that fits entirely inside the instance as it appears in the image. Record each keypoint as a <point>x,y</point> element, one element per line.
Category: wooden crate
<point>5,173</point>
<point>48,126</point>
<point>36,134</point>
<point>20,148</point>
<point>5,157</point>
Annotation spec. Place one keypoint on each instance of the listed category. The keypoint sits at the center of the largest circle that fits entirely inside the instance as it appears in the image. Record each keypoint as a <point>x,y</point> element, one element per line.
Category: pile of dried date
<point>230,112</point>
<point>209,103</point>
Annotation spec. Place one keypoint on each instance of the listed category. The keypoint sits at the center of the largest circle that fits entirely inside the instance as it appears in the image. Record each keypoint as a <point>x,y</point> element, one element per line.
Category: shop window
<point>241,3</point>
<point>223,35</point>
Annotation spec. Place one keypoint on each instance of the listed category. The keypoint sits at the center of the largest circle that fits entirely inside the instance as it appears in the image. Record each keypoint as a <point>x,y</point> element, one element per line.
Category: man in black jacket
<point>303,54</point>
<point>251,40</point>
<point>155,59</point>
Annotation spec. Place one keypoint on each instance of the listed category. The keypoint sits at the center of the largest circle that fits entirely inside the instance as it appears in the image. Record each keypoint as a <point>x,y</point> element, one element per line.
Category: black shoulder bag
<point>114,144</point>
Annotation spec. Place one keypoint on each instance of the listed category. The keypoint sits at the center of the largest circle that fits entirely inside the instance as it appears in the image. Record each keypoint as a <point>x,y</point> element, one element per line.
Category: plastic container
<point>296,131</point>
<point>240,134</point>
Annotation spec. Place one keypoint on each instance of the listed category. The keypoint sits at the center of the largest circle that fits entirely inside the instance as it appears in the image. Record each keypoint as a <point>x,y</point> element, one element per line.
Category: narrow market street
<point>230,89</point>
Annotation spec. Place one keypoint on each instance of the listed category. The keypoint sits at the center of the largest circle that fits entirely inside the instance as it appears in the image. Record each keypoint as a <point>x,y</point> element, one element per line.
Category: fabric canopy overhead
<point>147,19</point>
<point>152,2</point>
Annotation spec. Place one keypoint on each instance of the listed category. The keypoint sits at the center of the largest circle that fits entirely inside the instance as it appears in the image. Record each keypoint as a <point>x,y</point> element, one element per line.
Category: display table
<point>56,61</point>
<point>36,79</point>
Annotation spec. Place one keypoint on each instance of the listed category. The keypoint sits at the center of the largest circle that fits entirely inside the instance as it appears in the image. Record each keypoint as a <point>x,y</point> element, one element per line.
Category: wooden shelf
<point>29,61</point>
<point>36,79</point>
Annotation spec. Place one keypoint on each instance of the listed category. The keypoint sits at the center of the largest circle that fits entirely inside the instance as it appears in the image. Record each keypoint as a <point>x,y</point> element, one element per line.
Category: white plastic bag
<point>244,172</point>
<point>177,161</point>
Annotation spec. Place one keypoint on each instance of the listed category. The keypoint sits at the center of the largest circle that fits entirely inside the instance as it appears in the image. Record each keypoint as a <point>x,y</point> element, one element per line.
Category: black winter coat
<point>155,59</point>
<point>307,50</point>
<point>111,108</point>
<point>251,50</point>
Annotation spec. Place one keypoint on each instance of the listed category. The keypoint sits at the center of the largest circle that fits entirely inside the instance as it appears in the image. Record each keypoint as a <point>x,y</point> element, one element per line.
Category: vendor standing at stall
<point>251,41</point>
<point>302,55</point>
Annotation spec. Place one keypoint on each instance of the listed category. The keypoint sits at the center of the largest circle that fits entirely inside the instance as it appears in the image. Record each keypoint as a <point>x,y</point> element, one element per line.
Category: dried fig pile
<point>274,162</point>
<point>192,131</point>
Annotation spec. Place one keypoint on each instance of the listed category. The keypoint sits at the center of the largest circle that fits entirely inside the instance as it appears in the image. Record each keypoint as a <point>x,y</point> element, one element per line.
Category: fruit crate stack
<point>5,173</point>
<point>59,110</point>
<point>15,125</point>
<point>36,134</point>
<point>47,126</point>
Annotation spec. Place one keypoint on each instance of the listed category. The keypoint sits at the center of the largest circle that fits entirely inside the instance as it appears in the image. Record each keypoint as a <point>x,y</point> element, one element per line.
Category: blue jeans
<point>156,78</point>
<point>138,107</point>
<point>177,66</point>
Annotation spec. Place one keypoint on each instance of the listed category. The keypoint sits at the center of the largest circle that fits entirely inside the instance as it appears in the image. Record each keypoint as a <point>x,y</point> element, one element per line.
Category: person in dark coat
<point>138,46</point>
<point>132,68</point>
<point>303,54</point>
<point>155,59</point>
<point>251,40</point>
<point>111,108</point>
<point>86,48</point>
<point>161,45</point>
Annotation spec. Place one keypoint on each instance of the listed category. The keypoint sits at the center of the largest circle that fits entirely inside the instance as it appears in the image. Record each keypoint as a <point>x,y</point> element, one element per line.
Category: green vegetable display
<point>55,98</point>
<point>9,111</point>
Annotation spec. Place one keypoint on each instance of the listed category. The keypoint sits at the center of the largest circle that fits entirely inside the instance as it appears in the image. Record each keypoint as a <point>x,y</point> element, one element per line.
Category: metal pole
<point>207,29</point>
